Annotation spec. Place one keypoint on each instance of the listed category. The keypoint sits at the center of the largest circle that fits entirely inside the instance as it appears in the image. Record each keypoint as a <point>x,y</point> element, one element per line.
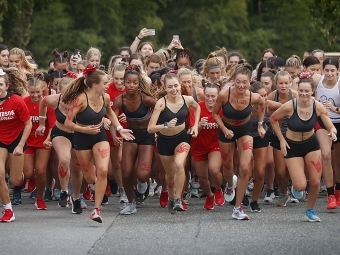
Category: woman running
<point>89,106</point>
<point>235,126</point>
<point>136,103</point>
<point>299,145</point>
<point>205,149</point>
<point>15,127</point>
<point>173,141</point>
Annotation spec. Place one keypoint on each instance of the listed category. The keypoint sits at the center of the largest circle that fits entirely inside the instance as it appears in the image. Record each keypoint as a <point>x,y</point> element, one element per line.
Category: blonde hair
<point>13,79</point>
<point>211,62</point>
<point>281,73</point>
<point>184,71</point>
<point>293,61</point>
<point>93,52</point>
<point>36,80</point>
<point>21,54</point>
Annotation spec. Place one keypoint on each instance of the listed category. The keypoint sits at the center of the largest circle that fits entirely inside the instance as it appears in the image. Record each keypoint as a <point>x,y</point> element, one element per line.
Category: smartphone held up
<point>151,32</point>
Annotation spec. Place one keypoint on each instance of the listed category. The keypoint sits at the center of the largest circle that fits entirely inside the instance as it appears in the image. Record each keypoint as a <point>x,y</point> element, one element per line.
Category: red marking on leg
<point>247,145</point>
<point>144,165</point>
<point>227,167</point>
<point>62,172</point>
<point>317,165</point>
<point>104,152</point>
<point>183,148</point>
<point>83,164</point>
<point>224,154</point>
<point>236,122</point>
<point>171,185</point>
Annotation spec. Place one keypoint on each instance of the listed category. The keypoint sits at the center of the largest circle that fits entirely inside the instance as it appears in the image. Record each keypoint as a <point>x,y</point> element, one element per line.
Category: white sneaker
<point>158,191</point>
<point>229,192</point>
<point>322,186</point>
<point>142,187</point>
<point>269,197</point>
<point>129,209</point>
<point>152,188</point>
<point>123,198</point>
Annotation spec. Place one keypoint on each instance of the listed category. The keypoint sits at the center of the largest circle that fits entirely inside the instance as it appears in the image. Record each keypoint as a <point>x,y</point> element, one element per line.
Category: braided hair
<point>183,53</point>
<point>143,85</point>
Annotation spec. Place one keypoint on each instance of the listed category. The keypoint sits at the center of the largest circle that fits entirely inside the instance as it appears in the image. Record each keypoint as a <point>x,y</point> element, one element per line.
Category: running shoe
<point>219,198</point>
<point>123,198</point>
<point>139,198</point>
<point>108,190</point>
<point>95,215</point>
<point>142,186</point>
<point>185,207</point>
<point>250,186</point>
<point>194,192</point>
<point>245,201</point>
<point>57,194</point>
<point>311,215</point>
<point>76,206</point>
<point>323,187</point>
<point>129,209</point>
<point>186,197</point>
<point>238,214</point>
<point>31,183</point>
<point>16,200</point>
<point>229,192</point>
<point>48,195</point>
<point>293,200</point>
<point>283,200</point>
<point>40,204</point>
<point>105,200</point>
<point>113,187</point>
<point>331,202</point>
<point>270,195</point>
<point>171,206</point>
<point>7,216</point>
<point>337,196</point>
<point>82,202</point>
<point>158,191</point>
<point>209,203</point>
<point>255,207</point>
<point>63,199</point>
<point>194,182</point>
<point>178,206</point>
<point>33,194</point>
<point>87,193</point>
<point>152,188</point>
<point>163,199</point>
<point>296,194</point>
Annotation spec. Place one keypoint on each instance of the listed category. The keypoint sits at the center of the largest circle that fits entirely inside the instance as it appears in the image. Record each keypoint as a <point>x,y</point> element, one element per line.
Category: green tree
<point>326,17</point>
<point>16,22</point>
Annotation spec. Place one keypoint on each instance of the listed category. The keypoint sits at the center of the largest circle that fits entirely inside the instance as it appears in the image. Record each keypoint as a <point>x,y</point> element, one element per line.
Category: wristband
<point>337,109</point>
<point>260,123</point>
<point>119,128</point>
<point>42,117</point>
<point>137,38</point>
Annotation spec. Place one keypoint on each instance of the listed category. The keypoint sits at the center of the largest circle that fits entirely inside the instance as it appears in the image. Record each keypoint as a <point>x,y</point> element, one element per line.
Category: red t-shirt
<point>33,109</point>
<point>13,114</point>
<point>114,93</point>
<point>207,138</point>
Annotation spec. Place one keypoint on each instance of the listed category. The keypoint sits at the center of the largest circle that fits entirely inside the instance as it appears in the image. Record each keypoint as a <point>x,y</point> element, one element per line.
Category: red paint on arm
<point>247,145</point>
<point>273,119</point>
<point>325,113</point>
<point>71,112</point>
<point>317,165</point>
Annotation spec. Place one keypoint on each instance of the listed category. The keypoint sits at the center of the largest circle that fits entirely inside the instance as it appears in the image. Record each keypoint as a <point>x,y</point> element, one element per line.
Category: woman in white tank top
<point>328,93</point>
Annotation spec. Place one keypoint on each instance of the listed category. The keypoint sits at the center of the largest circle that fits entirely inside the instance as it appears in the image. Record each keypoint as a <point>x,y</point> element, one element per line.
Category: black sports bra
<point>230,112</point>
<point>142,113</point>
<point>166,115</point>
<point>296,124</point>
<point>89,116</point>
<point>61,118</point>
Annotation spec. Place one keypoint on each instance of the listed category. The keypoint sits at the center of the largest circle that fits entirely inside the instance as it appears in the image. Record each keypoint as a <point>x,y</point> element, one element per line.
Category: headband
<point>305,75</point>
<point>214,67</point>
<point>89,69</point>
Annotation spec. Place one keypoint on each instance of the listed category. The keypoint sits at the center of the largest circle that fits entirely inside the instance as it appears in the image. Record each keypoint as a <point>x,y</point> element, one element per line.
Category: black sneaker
<point>255,207</point>
<point>105,200</point>
<point>48,195</point>
<point>76,206</point>
<point>16,198</point>
<point>63,199</point>
<point>245,201</point>
<point>171,206</point>
<point>113,187</point>
<point>139,198</point>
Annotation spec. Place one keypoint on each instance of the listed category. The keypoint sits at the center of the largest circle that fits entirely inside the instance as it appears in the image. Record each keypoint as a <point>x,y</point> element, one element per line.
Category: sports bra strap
<point>290,95</point>
<point>250,98</point>
<point>164,101</point>
<point>229,94</point>
<point>59,101</point>
<point>87,99</point>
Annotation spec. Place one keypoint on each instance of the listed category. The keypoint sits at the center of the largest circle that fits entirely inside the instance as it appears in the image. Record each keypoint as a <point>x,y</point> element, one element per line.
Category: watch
<point>166,125</point>
<point>260,123</point>
<point>337,109</point>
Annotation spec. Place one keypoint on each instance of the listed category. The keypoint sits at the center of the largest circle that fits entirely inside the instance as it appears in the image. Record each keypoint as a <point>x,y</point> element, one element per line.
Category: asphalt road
<point>153,230</point>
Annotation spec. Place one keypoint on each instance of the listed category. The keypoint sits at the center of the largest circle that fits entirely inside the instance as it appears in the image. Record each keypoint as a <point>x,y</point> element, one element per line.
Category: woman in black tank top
<point>300,146</point>
<point>280,96</point>
<point>62,142</point>
<point>137,104</point>
<point>235,126</point>
<point>87,95</point>
<point>168,120</point>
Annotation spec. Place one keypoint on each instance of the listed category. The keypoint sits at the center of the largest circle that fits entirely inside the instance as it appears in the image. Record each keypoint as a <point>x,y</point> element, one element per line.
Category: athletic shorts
<point>11,147</point>
<point>86,141</point>
<point>238,131</point>
<point>58,132</point>
<point>142,137</point>
<point>301,149</point>
<point>202,156</point>
<point>259,142</point>
<point>167,144</point>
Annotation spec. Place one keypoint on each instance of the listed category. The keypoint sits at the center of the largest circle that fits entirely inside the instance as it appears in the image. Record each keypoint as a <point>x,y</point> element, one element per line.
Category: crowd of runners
<point>158,122</point>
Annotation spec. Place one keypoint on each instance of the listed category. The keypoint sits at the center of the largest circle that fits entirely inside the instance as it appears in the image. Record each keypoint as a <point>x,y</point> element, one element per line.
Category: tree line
<point>248,26</point>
